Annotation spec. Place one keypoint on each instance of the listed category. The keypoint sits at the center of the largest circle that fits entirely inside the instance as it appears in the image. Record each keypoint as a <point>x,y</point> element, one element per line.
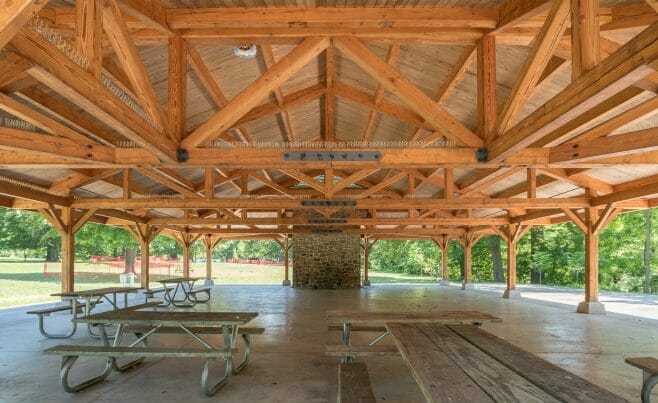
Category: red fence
<point>254,261</point>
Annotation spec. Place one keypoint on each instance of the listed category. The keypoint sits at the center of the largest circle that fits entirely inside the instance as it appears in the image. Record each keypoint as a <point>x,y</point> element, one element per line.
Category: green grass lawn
<point>23,283</point>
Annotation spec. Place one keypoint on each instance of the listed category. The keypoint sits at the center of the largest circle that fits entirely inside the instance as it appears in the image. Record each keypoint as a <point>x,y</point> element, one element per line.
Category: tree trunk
<point>647,251</point>
<point>52,253</point>
<point>130,255</point>
<point>536,235</point>
<point>496,258</point>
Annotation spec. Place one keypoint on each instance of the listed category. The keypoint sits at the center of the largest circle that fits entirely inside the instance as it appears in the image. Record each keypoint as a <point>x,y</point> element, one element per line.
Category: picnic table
<point>193,324</point>
<point>92,298</point>
<point>453,359</point>
<point>184,285</point>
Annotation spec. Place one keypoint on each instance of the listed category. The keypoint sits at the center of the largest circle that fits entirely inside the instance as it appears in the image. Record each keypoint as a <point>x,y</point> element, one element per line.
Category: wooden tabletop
<point>170,318</point>
<point>98,292</point>
<point>335,317</point>
<point>178,280</point>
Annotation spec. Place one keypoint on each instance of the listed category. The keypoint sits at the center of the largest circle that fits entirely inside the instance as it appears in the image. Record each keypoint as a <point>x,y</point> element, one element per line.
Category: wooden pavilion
<point>443,120</point>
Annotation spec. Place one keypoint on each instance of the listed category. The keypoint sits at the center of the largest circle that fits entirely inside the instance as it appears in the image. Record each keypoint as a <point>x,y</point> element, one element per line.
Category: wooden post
<point>145,257</point>
<point>591,303</point>
<point>67,225</point>
<point>286,260</point>
<point>443,243</point>
<point>585,36</point>
<point>185,240</point>
<point>366,250</point>
<point>144,234</point>
<point>186,259</point>
<point>209,244</point>
<point>68,250</point>
<point>511,291</point>
<point>468,240</point>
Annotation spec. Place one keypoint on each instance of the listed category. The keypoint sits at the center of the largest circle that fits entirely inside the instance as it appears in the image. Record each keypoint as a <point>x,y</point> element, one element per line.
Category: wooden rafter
<point>14,15</point>
<point>250,97</point>
<point>286,122</point>
<point>406,91</point>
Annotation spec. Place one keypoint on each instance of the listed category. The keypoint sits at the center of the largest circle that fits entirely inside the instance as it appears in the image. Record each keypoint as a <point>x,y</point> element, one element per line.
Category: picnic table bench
<point>186,286</point>
<point>649,367</point>
<point>466,363</point>
<point>146,323</point>
<point>59,308</point>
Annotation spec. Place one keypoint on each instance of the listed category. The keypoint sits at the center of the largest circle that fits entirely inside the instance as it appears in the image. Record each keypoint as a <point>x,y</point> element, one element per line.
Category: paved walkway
<point>640,305</point>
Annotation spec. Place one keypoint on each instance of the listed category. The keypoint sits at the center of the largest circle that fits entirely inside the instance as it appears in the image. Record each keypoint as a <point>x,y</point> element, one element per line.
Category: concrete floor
<point>289,364</point>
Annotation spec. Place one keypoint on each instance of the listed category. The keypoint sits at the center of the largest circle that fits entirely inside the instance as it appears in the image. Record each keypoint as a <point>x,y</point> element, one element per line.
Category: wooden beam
<point>162,179</point>
<point>302,177</point>
<point>14,14</point>
<point>647,189</point>
<point>27,193</point>
<point>289,101</point>
<point>73,82</point>
<point>612,146</point>
<point>391,59</point>
<point>86,151</point>
<point>353,178</point>
<point>287,132</point>
<point>616,72</point>
<point>448,17</point>
<point>545,45</point>
<point>515,12</point>
<point>653,4</point>
<point>329,99</point>
<point>576,219</point>
<point>252,95</point>
<point>585,36</point>
<point>363,203</point>
<point>89,33</point>
<point>65,111</point>
<point>406,91</point>
<point>150,12</point>
<point>381,185</point>
<point>40,120</point>
<point>177,87</point>
<point>486,86</point>
<point>385,107</point>
<point>128,55</point>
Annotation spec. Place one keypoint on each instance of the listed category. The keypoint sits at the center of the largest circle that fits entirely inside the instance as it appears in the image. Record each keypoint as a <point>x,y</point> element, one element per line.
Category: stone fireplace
<point>326,261</point>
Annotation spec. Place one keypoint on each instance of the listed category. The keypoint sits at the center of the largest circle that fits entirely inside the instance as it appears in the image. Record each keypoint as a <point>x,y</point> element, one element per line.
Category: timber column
<point>468,241</point>
<point>513,233</point>
<point>185,240</point>
<point>366,250</point>
<point>209,245</point>
<point>67,224</point>
<point>591,303</point>
<point>144,234</point>
<point>286,260</point>
<point>443,243</point>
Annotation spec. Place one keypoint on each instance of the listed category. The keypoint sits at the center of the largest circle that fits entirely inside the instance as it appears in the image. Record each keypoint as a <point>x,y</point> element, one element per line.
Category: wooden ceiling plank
<point>73,82</point>
<point>540,54</point>
<point>406,91</point>
<point>14,15</point>
<point>254,93</point>
<point>616,72</point>
<point>128,55</point>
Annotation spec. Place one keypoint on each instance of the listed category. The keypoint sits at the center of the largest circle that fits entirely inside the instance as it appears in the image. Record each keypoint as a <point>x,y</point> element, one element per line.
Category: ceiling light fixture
<point>245,51</point>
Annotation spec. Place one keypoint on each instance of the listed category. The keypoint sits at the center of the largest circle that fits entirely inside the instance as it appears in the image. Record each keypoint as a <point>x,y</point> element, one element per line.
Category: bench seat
<point>649,367</point>
<point>354,383</point>
<point>150,292</point>
<point>71,353</point>
<point>341,350</point>
<point>164,352</point>
<point>195,329</point>
<point>59,308</point>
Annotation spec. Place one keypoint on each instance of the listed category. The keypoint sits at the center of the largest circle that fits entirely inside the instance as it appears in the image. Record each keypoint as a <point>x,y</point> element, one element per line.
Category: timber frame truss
<point>74,80</point>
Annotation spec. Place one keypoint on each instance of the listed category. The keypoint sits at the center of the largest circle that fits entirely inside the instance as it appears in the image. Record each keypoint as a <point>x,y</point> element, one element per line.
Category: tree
<point>647,251</point>
<point>496,259</point>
